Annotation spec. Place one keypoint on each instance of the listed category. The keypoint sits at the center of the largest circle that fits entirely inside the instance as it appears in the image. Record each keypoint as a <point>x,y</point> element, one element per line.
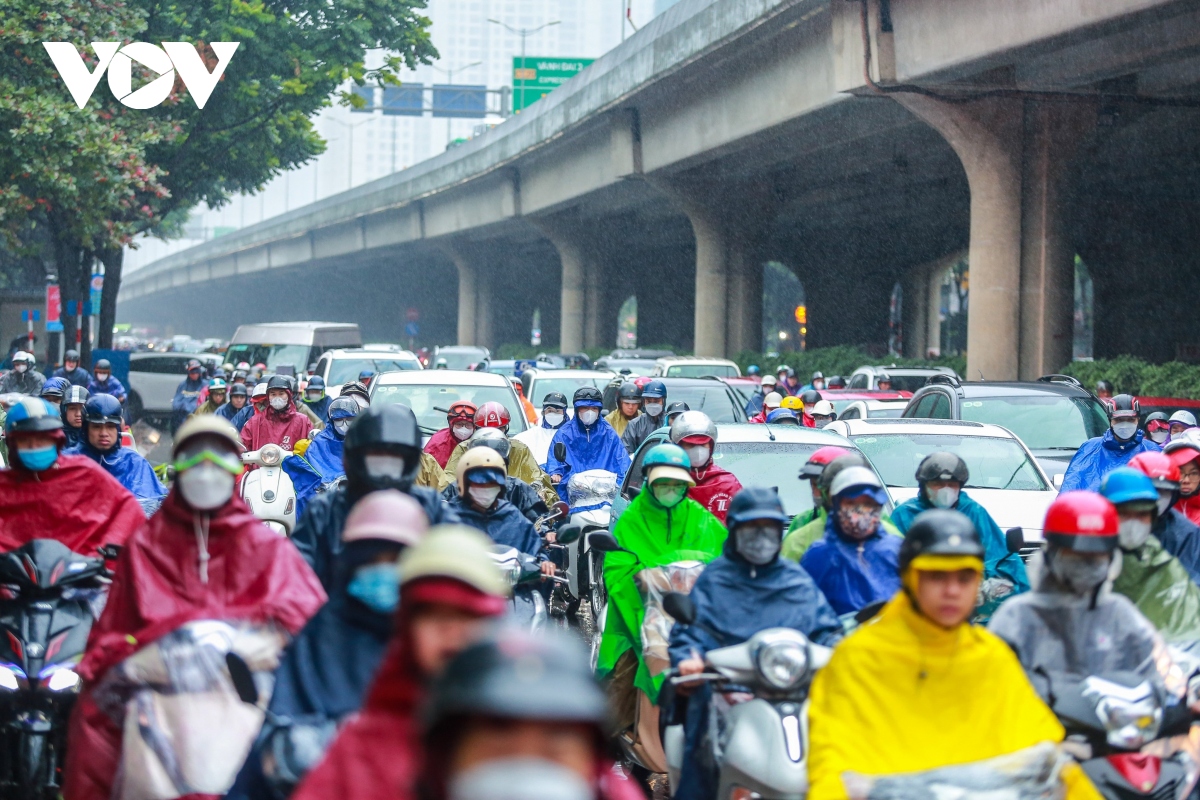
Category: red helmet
<point>492,415</point>
<point>1182,451</point>
<point>1083,521</point>
<point>461,409</point>
<point>1158,468</point>
<point>815,465</point>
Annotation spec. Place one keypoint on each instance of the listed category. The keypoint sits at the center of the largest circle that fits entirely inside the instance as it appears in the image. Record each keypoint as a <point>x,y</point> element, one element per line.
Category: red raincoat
<point>441,445</point>
<point>714,489</point>
<point>283,428</point>
<point>253,574</point>
<point>1190,507</point>
<point>76,503</point>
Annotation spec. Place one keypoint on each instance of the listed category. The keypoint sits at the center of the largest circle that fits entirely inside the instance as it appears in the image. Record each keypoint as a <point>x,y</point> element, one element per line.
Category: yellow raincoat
<point>521,464</point>
<point>618,420</point>
<point>430,474</point>
<point>902,694</point>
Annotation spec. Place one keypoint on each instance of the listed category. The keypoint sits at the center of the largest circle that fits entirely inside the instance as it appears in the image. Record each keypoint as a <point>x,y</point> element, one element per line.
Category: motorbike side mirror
<point>679,606</point>
<point>109,552</point>
<point>604,542</point>
<point>560,452</point>
<point>1015,539</point>
<point>632,492</point>
<point>243,679</point>
<point>560,510</point>
<point>568,534</point>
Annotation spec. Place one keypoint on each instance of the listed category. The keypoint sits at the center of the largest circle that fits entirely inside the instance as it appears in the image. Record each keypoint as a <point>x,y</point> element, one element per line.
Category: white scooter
<point>759,708</point>
<point>268,490</point>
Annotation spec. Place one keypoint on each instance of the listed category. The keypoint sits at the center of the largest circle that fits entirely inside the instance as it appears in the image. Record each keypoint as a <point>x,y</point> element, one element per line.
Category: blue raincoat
<point>1181,538</point>
<point>854,574</point>
<point>737,600</point>
<point>325,672</point>
<point>505,524</point>
<point>110,386</point>
<point>228,412</point>
<point>126,465</point>
<point>76,377</point>
<point>597,447</point>
<point>320,464</point>
<point>187,398</point>
<point>1097,457</point>
<point>320,408</point>
<point>242,417</point>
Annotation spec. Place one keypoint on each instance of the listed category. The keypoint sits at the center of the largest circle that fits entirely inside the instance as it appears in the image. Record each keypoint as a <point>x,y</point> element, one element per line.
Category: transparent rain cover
<point>653,584</point>
<point>184,728</point>
<point>592,488</point>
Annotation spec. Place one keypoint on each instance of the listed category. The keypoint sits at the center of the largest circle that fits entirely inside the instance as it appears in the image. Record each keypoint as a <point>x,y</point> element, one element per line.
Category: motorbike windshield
<point>184,728</point>
<point>592,488</point>
<point>653,585</point>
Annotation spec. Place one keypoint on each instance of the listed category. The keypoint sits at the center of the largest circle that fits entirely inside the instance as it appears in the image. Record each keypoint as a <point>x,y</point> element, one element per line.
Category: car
<point>872,409</point>
<point>294,344</point>
<point>567,360</point>
<point>908,379</point>
<point>842,398</point>
<point>429,393</point>
<point>461,356</point>
<point>154,377</point>
<point>1005,478</point>
<point>537,383</point>
<point>1053,415</point>
<point>714,397</point>
<point>695,367</point>
<point>337,367</point>
<point>513,368</point>
<point>631,362</point>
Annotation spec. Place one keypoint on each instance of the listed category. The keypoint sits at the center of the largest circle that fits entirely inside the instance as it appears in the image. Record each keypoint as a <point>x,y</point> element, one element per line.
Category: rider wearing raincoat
<point>821,470</point>
<point>715,488</point>
<point>590,441</point>
<point>1178,534</point>
<point>101,442</point>
<point>460,424</point>
<point>1097,457</point>
<point>321,462</point>
<point>521,463</point>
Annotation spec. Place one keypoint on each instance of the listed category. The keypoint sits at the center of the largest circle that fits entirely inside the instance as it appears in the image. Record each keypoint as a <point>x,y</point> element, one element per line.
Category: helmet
<point>667,461</point>
<point>629,391</point>
<point>244,366</point>
<point>792,402</point>
<point>590,395</point>
<point>693,423</point>
<point>71,355</point>
<point>366,374</point>
<point>836,382</point>
<point>102,364</point>
<point>755,503</point>
<point>940,532</point>
<point>835,467</point>
<point>1083,521</point>
<point>1182,451</point>
<point>206,425</point>
<point>461,409</point>
<point>816,463</point>
<point>752,369</point>
<point>678,407</point>
<point>217,385</point>
<point>773,400</point>
<point>390,429</point>
<point>441,362</point>
<point>76,395</point>
<point>492,415</point>
<point>1158,468</point>
<point>823,408</point>
<point>239,375</point>
<point>768,380</point>
<point>239,390</point>
<point>457,552</point>
<point>352,388</point>
<point>555,400</point>
<point>493,438</point>
<point>480,465</point>
<point>882,377</point>
<point>943,467</point>
<point>23,357</point>
<point>858,481</point>
<point>31,415</point>
<point>1123,405</point>
<point>389,516</point>
<point>782,415</point>
<point>810,397</point>
<point>654,389</point>
<point>1104,386</point>
<point>1128,485</point>
<point>315,382</point>
<point>101,409</point>
<point>343,408</point>
<point>193,365</point>
<point>1184,418</point>
<point>219,372</point>
<point>54,387</point>
<point>279,382</point>
<point>818,376</point>
<point>260,390</point>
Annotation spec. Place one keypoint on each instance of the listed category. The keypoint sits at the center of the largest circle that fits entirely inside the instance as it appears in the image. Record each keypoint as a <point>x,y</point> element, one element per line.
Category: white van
<point>298,344</point>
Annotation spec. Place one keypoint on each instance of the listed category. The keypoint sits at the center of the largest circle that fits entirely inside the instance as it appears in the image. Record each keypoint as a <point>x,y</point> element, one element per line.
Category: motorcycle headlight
<point>1132,716</point>
<point>11,677</point>
<point>61,679</point>
<point>271,455</point>
<point>782,664</point>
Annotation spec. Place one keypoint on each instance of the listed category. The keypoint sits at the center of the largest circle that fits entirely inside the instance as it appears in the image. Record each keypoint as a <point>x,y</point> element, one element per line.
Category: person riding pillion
<point>521,463</point>
<point>654,400</point>
<point>460,424</point>
<point>629,406</point>
<point>316,399</point>
<point>590,442</point>
<point>715,488</point>
<point>1179,535</point>
<point>71,413</point>
<point>1097,457</point>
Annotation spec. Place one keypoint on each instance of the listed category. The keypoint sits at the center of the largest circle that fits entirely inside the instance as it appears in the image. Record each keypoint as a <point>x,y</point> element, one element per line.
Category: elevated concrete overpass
<point>731,132</point>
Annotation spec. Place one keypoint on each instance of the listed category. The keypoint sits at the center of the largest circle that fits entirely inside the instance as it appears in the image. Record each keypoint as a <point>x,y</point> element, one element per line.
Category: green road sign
<point>535,77</point>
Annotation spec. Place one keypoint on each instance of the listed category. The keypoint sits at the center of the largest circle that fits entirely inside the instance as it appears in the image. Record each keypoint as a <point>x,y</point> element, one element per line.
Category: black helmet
<point>390,429</point>
<point>1123,405</point>
<point>943,467</point>
<point>629,391</point>
<point>239,390</point>
<point>1104,386</point>
<point>555,400</point>
<point>351,388</point>
<point>101,409</point>
<point>1157,416</point>
<point>940,532</point>
<point>279,382</point>
<point>75,395</point>
<point>103,364</point>
<point>71,355</point>
<point>755,503</point>
<point>587,393</point>
<point>678,407</point>
<point>836,382</point>
<point>810,397</point>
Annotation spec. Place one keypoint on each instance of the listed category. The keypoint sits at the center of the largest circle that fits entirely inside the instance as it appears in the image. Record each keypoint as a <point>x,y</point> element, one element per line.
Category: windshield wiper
<point>430,431</point>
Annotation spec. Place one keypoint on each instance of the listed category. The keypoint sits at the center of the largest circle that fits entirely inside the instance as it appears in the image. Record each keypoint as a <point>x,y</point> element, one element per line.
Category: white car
<point>1005,478</point>
<point>695,367</point>
<point>430,392</point>
<point>538,383</point>
<point>154,377</point>
<point>873,409</point>
<point>337,367</point>
<point>904,379</point>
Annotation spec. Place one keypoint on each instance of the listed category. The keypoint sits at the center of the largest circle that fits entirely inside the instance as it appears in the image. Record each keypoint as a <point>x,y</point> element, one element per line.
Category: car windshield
<point>887,412</point>
<point>270,354</point>
<point>701,371</point>
<point>713,400</point>
<point>636,366</point>
<point>907,383</point>
<point>430,401</point>
<point>993,462</point>
<point>1041,421</point>
<point>544,386</point>
<point>460,359</point>
<point>348,369</point>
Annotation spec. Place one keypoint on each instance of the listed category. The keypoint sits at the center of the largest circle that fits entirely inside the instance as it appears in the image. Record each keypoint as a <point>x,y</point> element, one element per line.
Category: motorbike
<point>49,597</point>
<point>1110,719</point>
<point>591,494</point>
<point>759,710</point>
<point>529,606</point>
<point>268,490</point>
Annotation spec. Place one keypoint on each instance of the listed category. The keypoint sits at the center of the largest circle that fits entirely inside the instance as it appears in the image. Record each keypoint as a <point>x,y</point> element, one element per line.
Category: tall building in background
<point>363,147</point>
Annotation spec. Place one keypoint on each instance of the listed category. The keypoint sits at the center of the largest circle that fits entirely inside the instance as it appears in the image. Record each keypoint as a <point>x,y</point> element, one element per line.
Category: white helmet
<point>854,476</point>
<point>28,358</point>
<point>1186,417</point>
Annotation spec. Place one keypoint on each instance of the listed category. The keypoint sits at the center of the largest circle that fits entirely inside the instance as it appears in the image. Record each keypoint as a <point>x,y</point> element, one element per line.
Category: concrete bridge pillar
<point>468,294</point>
<point>745,282</point>
<point>1015,154</point>
<point>915,317</point>
<point>568,239</point>
<point>712,284</point>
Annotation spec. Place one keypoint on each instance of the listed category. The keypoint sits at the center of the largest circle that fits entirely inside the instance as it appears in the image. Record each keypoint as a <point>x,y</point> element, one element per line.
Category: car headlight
<point>1132,716</point>
<point>61,679</point>
<point>271,455</point>
<point>782,664</point>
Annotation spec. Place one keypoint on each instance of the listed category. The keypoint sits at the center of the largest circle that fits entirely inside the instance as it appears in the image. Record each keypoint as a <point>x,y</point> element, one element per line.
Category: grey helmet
<point>693,423</point>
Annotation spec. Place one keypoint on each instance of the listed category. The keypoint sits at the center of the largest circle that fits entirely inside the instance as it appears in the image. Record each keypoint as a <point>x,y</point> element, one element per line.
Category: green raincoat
<point>1162,590</point>
<point>809,527</point>
<point>687,532</point>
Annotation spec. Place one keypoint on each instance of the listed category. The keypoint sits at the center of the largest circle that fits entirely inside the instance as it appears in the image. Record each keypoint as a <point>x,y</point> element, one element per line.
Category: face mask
<point>462,432</point>
<point>1077,573</point>
<point>669,496</point>
<point>205,486</point>
<point>698,454</point>
<point>821,422</point>
<point>385,467</point>
<point>1124,430</point>
<point>377,586</point>
<point>20,368</point>
<point>520,779</point>
<point>1132,534</point>
<point>101,377</point>
<point>278,403</point>
<point>588,417</point>
<point>856,523</point>
<point>40,459</point>
<point>818,385</point>
<point>654,409</point>
<point>945,497</point>
<point>1158,437</point>
<point>314,397</point>
<point>340,427</point>
<point>1165,501</point>
<point>554,418</point>
<point>484,496</point>
<point>758,544</point>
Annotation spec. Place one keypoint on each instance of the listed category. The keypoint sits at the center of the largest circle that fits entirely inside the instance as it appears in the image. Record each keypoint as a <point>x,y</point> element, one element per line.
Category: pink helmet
<point>388,515</point>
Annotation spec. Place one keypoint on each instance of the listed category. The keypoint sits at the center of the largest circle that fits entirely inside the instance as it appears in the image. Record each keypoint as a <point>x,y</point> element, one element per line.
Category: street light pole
<point>523,33</point>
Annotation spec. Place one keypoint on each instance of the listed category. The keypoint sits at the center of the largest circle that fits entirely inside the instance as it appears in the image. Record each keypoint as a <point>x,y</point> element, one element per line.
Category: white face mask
<point>1079,574</point>
<point>20,368</point>
<point>698,454</point>
<point>1133,533</point>
<point>1159,436</point>
<point>945,497</point>
<point>205,486</point>
<point>484,496</point>
<point>588,417</point>
<point>654,409</point>
<point>278,403</point>
<point>101,377</point>
<point>384,466</point>
<point>341,426</point>
<point>462,432</point>
<point>519,779</point>
<point>554,418</point>
<point>1124,430</point>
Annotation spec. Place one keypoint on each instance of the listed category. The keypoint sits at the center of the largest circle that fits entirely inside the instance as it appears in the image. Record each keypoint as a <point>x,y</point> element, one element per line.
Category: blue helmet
<point>343,408</point>
<point>782,415</point>
<point>752,369</point>
<point>654,389</point>
<point>31,415</point>
<point>1128,485</point>
<point>101,409</point>
<point>755,502</point>
<point>315,382</point>
<point>55,387</point>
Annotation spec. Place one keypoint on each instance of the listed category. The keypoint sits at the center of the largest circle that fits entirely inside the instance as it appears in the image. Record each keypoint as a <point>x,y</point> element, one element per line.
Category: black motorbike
<point>48,599</point>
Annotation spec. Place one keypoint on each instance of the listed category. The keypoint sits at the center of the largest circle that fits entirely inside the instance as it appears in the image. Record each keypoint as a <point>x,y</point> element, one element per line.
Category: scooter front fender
<point>765,752</point>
